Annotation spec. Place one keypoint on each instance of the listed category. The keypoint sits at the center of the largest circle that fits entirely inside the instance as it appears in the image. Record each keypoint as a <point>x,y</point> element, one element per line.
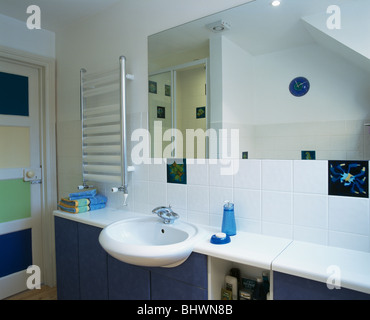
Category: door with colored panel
<point>20,177</point>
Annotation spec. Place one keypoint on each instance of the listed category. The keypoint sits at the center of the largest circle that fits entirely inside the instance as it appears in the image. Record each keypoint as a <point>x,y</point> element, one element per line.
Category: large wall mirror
<point>294,79</point>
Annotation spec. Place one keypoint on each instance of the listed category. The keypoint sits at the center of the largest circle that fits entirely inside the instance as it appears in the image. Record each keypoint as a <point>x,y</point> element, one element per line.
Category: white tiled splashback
<point>284,198</point>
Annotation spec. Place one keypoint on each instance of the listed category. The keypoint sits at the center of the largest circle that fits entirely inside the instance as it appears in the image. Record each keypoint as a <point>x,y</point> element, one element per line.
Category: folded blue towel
<point>85,194</point>
<point>97,199</point>
<point>81,209</point>
<point>73,210</point>
<point>97,206</point>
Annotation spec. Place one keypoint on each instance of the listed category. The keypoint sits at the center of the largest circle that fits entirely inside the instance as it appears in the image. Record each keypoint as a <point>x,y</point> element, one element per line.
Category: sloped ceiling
<point>352,40</point>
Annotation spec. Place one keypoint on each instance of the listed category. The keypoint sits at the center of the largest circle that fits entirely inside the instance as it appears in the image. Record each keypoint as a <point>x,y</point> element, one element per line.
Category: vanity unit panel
<point>188,281</point>
<point>93,264</point>
<point>193,271</point>
<point>67,266</point>
<point>289,287</point>
<point>127,282</point>
<point>166,288</point>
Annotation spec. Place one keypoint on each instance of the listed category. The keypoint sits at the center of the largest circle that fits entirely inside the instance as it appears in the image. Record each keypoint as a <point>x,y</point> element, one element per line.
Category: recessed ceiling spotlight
<point>275,3</point>
<point>218,26</point>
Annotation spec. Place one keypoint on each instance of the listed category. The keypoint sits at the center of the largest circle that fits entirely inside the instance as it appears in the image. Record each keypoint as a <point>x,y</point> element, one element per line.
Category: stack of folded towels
<point>82,201</point>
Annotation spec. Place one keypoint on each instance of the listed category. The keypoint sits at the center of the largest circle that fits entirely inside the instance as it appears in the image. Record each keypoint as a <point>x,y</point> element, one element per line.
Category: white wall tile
<point>198,217</point>
<point>349,241</point>
<point>277,207</point>
<point>197,174</point>
<point>277,175</point>
<point>215,220</point>
<point>141,172</point>
<point>177,195</point>
<point>248,225</point>
<point>249,174</point>
<point>277,229</point>
<point>247,203</point>
<point>158,172</point>
<point>198,199</point>
<point>217,175</point>
<point>311,176</point>
<point>310,210</point>
<point>349,214</point>
<point>141,193</point>
<point>314,235</point>
<point>157,194</point>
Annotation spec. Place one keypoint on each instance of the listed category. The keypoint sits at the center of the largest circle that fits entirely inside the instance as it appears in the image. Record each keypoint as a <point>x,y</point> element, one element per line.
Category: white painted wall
<point>15,34</point>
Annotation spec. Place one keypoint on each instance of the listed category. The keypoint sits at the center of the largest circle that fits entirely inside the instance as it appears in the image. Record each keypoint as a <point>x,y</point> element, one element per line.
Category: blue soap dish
<point>220,238</point>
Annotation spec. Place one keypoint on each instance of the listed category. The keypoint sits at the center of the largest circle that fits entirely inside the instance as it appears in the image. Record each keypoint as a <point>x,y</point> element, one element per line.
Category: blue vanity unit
<point>85,271</point>
<point>297,270</point>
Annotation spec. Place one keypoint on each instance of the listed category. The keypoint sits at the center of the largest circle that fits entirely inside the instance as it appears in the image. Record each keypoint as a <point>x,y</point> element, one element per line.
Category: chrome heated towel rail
<point>103,123</point>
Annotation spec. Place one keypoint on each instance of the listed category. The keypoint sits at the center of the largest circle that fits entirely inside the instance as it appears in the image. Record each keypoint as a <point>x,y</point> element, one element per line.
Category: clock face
<point>299,86</point>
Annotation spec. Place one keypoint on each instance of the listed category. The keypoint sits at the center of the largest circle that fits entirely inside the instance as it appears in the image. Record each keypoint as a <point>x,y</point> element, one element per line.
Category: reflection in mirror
<point>255,66</point>
<point>177,108</point>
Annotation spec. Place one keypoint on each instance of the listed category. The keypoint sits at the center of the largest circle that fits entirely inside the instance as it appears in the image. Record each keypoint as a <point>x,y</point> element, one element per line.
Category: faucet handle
<point>166,213</point>
<point>158,208</point>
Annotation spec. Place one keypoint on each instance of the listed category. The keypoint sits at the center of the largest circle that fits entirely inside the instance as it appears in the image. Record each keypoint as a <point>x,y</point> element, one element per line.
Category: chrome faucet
<point>166,214</point>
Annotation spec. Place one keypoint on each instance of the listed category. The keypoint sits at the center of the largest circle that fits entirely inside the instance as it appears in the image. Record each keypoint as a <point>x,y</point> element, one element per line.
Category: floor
<point>45,293</point>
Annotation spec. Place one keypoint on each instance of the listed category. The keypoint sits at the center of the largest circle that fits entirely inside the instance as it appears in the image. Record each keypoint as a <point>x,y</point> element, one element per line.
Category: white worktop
<point>318,262</point>
<point>302,259</point>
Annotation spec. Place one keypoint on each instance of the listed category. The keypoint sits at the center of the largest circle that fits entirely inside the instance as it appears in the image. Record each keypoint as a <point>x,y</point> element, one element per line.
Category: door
<point>20,174</point>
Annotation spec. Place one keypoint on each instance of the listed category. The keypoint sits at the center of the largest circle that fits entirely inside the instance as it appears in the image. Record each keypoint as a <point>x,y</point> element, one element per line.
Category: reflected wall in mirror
<point>252,63</point>
<point>177,106</point>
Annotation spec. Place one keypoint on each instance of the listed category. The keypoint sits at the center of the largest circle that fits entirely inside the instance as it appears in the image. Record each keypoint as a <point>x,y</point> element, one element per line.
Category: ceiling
<point>55,14</point>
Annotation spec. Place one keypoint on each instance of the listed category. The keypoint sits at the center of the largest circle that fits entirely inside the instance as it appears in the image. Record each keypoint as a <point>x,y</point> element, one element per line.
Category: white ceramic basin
<point>148,241</point>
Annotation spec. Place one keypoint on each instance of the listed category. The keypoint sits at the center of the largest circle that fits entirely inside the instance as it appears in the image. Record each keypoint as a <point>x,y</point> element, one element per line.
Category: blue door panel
<point>13,95</point>
<point>15,252</point>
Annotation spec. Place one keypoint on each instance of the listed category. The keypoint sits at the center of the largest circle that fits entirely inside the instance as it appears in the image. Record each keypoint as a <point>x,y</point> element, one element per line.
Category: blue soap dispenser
<point>228,220</point>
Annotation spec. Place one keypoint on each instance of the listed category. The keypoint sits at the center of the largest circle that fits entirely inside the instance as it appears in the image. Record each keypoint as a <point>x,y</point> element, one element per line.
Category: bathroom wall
<point>14,34</point>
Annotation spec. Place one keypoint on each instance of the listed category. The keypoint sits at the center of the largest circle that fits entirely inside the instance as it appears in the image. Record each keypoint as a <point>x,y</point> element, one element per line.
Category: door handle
<point>32,175</point>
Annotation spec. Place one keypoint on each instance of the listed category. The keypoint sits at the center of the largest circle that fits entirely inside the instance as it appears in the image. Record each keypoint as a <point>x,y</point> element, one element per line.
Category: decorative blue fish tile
<point>349,178</point>
<point>200,112</point>
<point>176,171</point>
<point>308,155</point>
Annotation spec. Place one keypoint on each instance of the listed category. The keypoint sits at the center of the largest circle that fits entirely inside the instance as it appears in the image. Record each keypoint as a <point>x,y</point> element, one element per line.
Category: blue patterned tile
<point>349,178</point>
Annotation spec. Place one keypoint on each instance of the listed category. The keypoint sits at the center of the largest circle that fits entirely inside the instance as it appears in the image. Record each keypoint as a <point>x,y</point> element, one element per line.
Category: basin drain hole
<point>162,230</point>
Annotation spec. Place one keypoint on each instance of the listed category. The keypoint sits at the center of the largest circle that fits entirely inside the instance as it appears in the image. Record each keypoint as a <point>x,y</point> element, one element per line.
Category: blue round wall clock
<point>299,86</point>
